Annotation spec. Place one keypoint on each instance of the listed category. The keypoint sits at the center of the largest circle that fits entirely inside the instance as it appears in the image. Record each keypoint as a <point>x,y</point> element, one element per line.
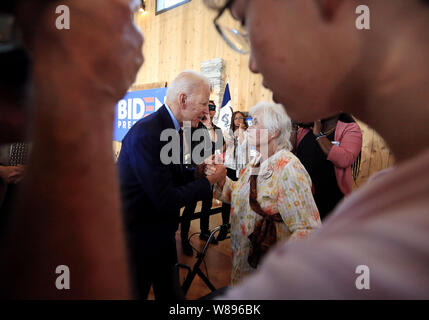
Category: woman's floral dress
<point>284,187</point>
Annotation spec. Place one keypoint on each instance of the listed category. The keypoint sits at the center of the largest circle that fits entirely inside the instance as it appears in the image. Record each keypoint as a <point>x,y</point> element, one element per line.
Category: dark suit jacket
<point>152,192</point>
<point>209,147</point>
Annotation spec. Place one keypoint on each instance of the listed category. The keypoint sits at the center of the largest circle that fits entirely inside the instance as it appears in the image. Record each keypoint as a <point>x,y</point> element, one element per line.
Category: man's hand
<point>214,159</point>
<point>216,174</point>
<point>12,174</point>
<point>200,171</point>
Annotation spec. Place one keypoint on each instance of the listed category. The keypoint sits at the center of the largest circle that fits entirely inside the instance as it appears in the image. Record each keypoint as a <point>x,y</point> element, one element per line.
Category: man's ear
<point>182,100</point>
<point>275,135</point>
<point>329,8</point>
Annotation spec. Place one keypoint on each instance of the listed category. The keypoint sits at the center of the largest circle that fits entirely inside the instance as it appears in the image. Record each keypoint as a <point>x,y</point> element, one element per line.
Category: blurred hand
<point>218,174</point>
<point>12,174</point>
<point>214,159</point>
<point>317,127</point>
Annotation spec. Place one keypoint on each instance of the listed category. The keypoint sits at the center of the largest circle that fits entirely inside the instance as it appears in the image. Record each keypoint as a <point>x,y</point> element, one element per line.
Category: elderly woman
<point>272,199</point>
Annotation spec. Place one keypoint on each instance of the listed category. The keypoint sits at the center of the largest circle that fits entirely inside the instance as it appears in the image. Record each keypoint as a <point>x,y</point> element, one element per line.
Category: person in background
<point>236,145</point>
<point>67,212</point>
<point>328,151</point>
<point>272,200</point>
<point>12,168</point>
<point>375,245</point>
<point>213,140</point>
<point>236,157</point>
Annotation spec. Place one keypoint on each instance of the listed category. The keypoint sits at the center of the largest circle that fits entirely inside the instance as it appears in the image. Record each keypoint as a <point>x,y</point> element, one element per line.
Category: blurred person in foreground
<point>380,76</point>
<point>68,210</point>
<point>272,200</point>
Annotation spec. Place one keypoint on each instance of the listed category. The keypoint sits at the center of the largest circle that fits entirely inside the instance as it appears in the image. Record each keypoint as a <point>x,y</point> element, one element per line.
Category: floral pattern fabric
<point>284,187</point>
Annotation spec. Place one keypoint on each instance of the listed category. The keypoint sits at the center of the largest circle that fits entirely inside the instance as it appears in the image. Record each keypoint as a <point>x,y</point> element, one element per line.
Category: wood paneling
<point>376,155</point>
<point>147,86</point>
<point>183,37</point>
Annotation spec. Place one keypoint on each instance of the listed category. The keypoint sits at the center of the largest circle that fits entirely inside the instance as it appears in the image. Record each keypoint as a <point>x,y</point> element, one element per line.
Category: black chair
<point>196,269</point>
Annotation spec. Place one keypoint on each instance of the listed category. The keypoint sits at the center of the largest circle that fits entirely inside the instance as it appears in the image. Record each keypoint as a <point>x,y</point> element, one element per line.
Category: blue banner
<point>134,106</point>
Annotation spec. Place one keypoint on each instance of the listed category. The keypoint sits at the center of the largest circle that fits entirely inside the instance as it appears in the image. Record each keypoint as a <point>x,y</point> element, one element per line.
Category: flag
<point>225,114</point>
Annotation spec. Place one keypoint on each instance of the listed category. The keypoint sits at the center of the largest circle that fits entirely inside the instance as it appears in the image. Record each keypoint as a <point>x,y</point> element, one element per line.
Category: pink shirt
<point>350,138</point>
<point>384,225</point>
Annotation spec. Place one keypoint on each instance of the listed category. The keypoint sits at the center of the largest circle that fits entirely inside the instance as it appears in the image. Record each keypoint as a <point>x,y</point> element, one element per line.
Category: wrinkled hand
<point>214,159</point>
<point>207,167</point>
<point>98,57</point>
<point>12,174</point>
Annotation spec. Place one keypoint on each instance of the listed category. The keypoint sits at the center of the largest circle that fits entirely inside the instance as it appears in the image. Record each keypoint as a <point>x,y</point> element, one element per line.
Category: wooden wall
<point>185,36</point>
<point>376,155</point>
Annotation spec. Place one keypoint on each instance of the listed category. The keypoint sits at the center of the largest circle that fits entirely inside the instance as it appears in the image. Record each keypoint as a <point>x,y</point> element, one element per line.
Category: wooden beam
<point>147,86</point>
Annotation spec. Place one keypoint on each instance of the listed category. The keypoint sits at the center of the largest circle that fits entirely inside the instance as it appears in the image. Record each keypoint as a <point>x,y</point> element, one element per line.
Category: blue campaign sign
<point>134,106</point>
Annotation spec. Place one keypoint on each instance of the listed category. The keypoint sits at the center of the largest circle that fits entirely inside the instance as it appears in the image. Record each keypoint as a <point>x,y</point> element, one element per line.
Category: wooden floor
<point>217,260</point>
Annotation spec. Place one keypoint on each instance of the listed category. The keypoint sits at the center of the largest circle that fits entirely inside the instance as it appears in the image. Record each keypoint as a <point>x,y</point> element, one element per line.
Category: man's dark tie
<point>181,150</point>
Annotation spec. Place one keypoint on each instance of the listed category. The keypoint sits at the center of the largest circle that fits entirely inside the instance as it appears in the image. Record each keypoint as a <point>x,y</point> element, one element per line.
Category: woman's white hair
<point>187,82</point>
<point>275,118</point>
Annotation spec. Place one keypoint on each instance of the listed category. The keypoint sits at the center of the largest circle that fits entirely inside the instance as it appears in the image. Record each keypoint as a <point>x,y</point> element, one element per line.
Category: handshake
<point>213,169</point>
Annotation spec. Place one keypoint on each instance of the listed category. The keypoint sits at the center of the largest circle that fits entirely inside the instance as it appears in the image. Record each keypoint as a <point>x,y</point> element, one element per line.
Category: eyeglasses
<point>238,40</point>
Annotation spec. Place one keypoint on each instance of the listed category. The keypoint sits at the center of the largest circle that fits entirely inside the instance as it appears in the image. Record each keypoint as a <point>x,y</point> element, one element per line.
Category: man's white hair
<point>275,118</point>
<point>187,82</point>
